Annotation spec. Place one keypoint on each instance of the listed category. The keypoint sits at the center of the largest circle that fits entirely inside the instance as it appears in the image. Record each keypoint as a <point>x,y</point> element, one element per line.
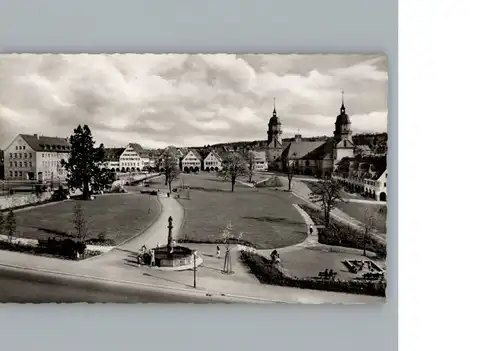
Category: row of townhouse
<point>195,160</point>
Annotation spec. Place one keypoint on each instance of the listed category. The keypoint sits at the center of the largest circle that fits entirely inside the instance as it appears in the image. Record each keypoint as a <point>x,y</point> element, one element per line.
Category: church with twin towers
<point>312,157</point>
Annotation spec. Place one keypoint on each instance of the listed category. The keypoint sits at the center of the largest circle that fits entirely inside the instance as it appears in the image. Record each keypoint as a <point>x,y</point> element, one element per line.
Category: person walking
<point>218,252</point>
<point>152,253</point>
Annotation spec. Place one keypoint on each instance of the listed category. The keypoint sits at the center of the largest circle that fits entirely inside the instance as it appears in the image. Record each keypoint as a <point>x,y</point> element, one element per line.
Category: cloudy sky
<point>188,100</point>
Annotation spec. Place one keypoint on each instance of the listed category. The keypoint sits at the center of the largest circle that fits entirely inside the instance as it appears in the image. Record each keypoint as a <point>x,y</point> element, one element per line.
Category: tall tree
<point>291,169</point>
<point>371,215</point>
<point>235,166</point>
<point>250,158</point>
<point>170,167</point>
<point>83,165</point>
<point>10,224</point>
<point>327,192</point>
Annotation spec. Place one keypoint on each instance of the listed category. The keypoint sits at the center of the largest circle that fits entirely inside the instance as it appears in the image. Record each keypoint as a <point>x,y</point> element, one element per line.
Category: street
<point>19,286</point>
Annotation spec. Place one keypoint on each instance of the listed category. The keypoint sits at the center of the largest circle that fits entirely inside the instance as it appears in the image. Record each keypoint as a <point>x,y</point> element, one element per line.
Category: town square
<point>214,210</point>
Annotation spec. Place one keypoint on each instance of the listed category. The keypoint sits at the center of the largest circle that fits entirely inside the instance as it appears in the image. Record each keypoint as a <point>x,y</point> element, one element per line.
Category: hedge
<point>267,273</point>
<point>66,249</point>
<point>343,235</point>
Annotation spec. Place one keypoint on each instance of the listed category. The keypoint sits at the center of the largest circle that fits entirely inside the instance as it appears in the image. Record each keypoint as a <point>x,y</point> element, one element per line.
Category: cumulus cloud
<point>189,100</point>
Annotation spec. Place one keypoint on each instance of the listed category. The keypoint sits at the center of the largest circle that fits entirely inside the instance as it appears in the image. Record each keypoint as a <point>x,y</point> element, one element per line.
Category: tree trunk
<point>232,185</point>
<point>170,186</point>
<point>166,179</point>
<point>289,184</point>
<point>86,190</point>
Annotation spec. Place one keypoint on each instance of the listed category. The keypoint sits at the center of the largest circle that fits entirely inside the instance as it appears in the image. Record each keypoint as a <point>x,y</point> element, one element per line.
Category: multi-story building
<point>192,161</point>
<point>134,158</point>
<point>260,161</point>
<point>112,159</point>
<point>36,157</point>
<point>364,175</point>
<point>213,162</point>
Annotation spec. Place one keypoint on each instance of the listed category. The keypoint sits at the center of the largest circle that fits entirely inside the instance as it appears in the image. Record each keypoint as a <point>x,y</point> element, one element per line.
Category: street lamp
<point>194,269</point>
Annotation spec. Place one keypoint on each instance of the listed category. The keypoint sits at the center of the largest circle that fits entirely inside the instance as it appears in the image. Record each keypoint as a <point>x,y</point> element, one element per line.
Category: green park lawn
<point>118,216</point>
<point>266,217</point>
<point>357,210</point>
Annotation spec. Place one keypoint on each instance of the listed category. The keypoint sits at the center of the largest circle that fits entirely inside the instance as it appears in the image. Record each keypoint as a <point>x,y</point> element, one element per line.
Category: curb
<point>191,290</point>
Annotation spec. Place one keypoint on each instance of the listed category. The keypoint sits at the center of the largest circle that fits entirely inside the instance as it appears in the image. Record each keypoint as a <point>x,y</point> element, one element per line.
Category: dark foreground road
<point>19,286</point>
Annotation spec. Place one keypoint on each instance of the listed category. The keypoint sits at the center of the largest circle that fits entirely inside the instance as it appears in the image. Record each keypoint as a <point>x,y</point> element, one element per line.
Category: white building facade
<point>191,162</point>
<point>35,157</point>
<point>212,162</point>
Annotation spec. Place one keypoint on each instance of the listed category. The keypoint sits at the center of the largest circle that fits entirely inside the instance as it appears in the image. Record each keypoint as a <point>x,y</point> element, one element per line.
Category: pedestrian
<point>310,229</point>
<point>158,244</point>
<point>168,194</point>
<point>218,252</point>
<point>152,253</point>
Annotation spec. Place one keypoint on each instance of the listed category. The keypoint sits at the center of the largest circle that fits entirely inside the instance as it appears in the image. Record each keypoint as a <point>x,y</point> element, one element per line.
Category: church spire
<point>342,108</point>
<point>274,110</point>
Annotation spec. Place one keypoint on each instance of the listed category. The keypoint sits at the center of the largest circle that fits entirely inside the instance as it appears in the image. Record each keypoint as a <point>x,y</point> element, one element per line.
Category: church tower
<point>342,125</point>
<point>274,130</point>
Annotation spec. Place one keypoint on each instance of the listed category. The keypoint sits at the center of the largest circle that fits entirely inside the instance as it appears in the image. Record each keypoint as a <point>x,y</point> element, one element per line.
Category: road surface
<point>19,286</point>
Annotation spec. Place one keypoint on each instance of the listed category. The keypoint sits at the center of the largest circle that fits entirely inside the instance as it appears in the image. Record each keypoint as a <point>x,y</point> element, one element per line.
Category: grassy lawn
<point>266,217</point>
<point>119,217</point>
<point>308,262</point>
<point>357,210</point>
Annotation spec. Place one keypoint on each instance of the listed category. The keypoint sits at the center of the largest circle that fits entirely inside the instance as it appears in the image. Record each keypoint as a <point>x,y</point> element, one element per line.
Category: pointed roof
<point>343,117</point>
<point>297,150</point>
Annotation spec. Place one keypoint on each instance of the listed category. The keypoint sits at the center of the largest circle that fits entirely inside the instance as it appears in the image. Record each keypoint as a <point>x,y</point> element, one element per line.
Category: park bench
<point>327,274</point>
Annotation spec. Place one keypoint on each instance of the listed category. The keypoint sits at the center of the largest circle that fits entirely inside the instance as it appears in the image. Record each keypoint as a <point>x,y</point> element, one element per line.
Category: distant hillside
<point>376,141</point>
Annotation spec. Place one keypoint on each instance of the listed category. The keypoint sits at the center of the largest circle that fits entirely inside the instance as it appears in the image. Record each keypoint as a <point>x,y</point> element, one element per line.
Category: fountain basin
<point>179,257</point>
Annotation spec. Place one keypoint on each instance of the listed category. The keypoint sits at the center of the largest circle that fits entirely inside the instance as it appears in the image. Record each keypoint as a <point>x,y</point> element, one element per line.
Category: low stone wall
<point>22,200</point>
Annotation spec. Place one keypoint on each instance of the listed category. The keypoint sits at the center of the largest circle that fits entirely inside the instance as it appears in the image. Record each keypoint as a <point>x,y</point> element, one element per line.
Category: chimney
<point>36,136</point>
<point>298,138</point>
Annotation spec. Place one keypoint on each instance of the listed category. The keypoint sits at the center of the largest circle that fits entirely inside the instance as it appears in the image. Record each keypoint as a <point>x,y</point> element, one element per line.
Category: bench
<point>327,274</point>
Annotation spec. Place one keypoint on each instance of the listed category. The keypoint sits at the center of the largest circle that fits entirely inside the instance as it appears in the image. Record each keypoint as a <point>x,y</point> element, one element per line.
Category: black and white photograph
<point>193,178</point>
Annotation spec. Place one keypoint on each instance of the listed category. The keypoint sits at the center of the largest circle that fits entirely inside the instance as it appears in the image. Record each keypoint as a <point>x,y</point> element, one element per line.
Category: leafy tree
<point>234,166</point>
<point>170,167</point>
<point>104,179</point>
<point>83,165</point>
<point>291,170</point>
<point>10,224</point>
<point>327,192</point>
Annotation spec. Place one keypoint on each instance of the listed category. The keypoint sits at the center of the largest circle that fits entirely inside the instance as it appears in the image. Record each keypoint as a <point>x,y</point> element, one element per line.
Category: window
<point>20,173</point>
<point>10,155</point>
<point>43,155</point>
<point>10,174</point>
<point>16,147</point>
<point>15,173</point>
<point>24,147</point>
<point>15,164</point>
<point>31,165</point>
<point>10,164</point>
<point>25,164</point>
<point>385,184</point>
<point>25,155</point>
<point>31,155</point>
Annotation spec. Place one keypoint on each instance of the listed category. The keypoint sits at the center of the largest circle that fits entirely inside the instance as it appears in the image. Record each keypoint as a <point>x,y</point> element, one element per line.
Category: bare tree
<point>80,223</point>
<point>235,167</point>
<point>250,158</point>
<point>170,168</point>
<point>291,169</point>
<point>370,217</point>
<point>327,192</point>
<point>10,225</point>
<point>229,239</point>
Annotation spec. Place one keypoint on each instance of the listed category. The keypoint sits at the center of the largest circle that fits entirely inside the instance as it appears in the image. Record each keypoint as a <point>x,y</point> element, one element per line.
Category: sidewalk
<point>302,191</point>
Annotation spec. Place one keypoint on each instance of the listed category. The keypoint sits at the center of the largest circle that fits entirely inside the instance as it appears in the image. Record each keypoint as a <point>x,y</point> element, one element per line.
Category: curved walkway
<point>156,233</point>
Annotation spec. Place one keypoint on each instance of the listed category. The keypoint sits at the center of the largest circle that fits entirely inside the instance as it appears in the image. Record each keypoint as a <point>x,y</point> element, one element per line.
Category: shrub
<point>117,188</point>
<point>67,248</point>
<point>268,273</point>
<point>344,235</point>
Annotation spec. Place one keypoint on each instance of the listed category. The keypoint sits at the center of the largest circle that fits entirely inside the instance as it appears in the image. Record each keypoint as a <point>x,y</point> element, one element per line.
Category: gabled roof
<point>45,143</point>
<point>321,151</point>
<point>113,154</point>
<point>297,150</point>
<point>345,144</point>
<point>216,155</point>
<point>196,153</point>
<point>363,147</point>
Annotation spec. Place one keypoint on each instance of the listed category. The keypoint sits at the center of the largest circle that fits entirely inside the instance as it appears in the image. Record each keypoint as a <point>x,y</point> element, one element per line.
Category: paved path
<point>156,233</point>
<point>302,191</point>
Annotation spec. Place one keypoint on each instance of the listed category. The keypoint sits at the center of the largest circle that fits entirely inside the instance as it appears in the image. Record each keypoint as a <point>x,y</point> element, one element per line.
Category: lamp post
<point>194,269</point>
<point>169,240</point>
